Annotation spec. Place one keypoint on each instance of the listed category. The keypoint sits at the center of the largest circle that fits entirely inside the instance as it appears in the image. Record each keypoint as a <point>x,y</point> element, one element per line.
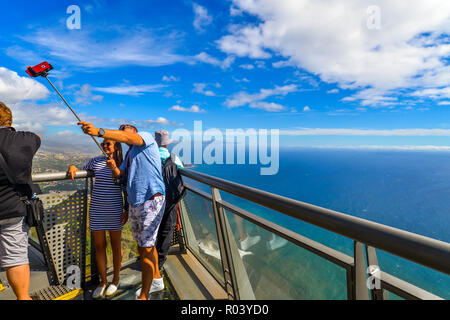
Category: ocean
<point>403,189</point>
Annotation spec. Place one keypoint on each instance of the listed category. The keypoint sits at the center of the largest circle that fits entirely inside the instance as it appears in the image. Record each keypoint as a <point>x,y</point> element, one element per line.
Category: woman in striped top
<point>106,213</point>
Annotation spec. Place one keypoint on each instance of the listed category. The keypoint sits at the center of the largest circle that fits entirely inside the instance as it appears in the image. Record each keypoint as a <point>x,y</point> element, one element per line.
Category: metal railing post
<point>360,281</point>
<point>350,283</point>
<point>224,246</point>
<point>94,271</point>
<point>376,292</point>
<point>180,233</point>
<point>188,231</point>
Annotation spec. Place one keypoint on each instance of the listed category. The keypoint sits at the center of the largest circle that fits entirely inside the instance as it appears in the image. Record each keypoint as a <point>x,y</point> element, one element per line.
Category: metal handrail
<point>429,252</point>
<point>57,176</point>
<point>367,232</point>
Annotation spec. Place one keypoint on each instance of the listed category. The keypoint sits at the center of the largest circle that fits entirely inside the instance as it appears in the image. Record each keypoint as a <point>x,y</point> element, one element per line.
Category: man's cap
<point>162,138</point>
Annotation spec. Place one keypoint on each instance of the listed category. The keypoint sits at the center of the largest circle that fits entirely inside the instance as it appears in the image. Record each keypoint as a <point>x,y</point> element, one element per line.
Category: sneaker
<point>112,289</point>
<point>157,285</point>
<point>138,293</point>
<point>276,243</point>
<point>99,292</point>
<point>249,242</point>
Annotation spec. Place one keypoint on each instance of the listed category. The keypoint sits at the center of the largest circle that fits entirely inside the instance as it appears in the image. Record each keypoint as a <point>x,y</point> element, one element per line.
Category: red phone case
<point>40,69</point>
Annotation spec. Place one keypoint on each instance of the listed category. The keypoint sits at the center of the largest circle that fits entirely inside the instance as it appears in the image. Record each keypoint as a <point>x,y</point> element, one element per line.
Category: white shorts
<point>145,220</point>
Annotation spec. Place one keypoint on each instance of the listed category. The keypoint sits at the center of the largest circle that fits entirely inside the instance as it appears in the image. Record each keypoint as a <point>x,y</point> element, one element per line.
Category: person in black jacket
<point>18,149</point>
<point>165,231</point>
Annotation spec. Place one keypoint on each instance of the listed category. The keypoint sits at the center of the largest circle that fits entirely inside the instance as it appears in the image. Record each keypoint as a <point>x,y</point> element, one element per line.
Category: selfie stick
<point>42,70</point>
<point>76,116</point>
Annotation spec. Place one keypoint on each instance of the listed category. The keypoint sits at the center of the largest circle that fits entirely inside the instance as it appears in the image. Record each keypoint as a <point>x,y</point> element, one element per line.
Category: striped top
<point>105,209</point>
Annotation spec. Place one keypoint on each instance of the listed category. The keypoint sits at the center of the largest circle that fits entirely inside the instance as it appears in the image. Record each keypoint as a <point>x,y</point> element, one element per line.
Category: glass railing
<point>250,256</point>
<point>253,257</point>
<point>201,233</point>
<point>279,269</point>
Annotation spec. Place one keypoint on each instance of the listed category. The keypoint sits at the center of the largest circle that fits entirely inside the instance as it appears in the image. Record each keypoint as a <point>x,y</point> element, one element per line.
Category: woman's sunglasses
<point>127,126</point>
<point>107,144</point>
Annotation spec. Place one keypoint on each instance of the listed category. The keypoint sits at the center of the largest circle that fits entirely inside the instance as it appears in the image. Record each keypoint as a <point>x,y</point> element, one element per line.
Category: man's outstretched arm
<point>129,138</point>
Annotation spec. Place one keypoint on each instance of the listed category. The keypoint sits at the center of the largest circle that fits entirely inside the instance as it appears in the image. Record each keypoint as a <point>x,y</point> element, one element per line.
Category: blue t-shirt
<point>143,167</point>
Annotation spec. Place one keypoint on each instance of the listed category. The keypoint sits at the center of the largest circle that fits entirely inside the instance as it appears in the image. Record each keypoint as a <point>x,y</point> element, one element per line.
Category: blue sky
<point>325,73</point>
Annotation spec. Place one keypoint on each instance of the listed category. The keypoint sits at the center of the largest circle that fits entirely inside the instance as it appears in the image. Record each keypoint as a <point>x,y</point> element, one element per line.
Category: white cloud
<point>25,56</point>
<point>434,93</point>
<point>333,91</point>
<point>84,96</point>
<point>373,97</point>
<point>202,18</point>
<point>306,109</point>
<point>227,62</point>
<point>14,88</point>
<point>68,141</point>
<point>206,58</point>
<point>69,134</point>
<point>260,64</point>
<point>282,64</point>
<point>234,12</point>
<point>33,117</point>
<point>39,118</point>
<point>123,46</point>
<point>268,106</point>
<point>161,121</point>
<point>170,78</point>
<point>247,66</point>
<point>131,90</point>
<point>247,42</point>
<point>331,40</point>
<point>200,88</point>
<point>241,80</point>
<point>140,124</point>
<point>194,109</point>
<point>243,98</point>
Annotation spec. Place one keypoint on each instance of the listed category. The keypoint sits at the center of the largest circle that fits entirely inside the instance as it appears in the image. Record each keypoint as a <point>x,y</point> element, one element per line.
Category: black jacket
<point>18,150</point>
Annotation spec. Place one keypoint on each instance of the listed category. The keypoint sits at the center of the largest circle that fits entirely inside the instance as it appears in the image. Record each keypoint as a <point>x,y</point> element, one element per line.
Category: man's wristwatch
<point>101,133</point>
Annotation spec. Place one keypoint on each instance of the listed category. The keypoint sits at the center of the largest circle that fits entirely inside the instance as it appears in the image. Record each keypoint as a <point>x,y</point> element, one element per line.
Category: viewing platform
<point>208,260</point>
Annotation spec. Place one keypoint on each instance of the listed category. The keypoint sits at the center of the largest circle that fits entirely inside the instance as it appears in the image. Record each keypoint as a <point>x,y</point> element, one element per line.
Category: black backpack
<point>175,189</point>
